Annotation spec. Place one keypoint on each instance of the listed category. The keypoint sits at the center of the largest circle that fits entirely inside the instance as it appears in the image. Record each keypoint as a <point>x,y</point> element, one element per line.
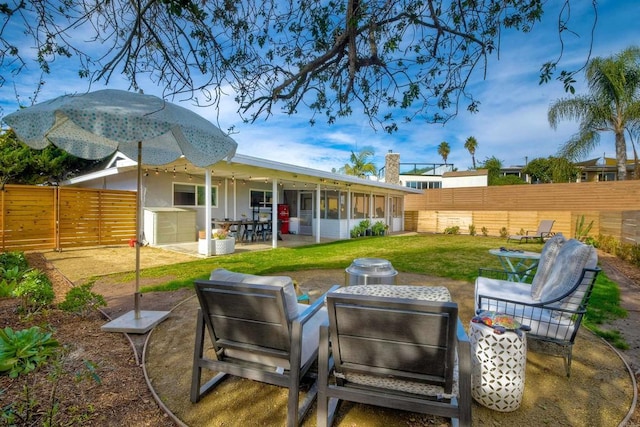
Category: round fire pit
<point>370,271</point>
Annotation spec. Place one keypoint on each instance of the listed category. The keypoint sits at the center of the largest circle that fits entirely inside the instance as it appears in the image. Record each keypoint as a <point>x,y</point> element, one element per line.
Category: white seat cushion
<point>291,298</point>
<point>541,321</point>
<point>504,289</point>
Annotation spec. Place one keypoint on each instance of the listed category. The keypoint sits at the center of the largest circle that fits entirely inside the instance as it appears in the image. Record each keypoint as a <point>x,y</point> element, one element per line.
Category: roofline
<point>240,159</point>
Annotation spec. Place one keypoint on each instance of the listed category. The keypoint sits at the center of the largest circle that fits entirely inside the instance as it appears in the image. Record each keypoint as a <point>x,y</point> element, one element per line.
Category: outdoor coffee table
<point>498,362</point>
<point>517,263</point>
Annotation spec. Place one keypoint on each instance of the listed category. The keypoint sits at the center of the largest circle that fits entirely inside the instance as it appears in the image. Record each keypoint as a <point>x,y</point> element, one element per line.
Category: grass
<point>456,257</point>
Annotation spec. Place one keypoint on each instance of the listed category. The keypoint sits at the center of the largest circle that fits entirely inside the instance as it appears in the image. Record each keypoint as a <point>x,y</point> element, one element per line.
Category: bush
<point>472,230</point>
<point>35,289</point>
<point>452,230</point>
<point>504,233</point>
<point>80,300</point>
<point>485,231</point>
<point>23,351</point>
<point>13,265</point>
<point>378,228</point>
<point>10,260</point>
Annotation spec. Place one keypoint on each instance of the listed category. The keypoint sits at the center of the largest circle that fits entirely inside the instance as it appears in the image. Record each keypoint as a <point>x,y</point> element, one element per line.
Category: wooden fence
<point>42,218</point>
<point>614,208</point>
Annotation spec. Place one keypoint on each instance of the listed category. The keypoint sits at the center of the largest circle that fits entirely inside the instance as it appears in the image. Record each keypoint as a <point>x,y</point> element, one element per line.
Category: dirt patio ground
<point>600,386</point>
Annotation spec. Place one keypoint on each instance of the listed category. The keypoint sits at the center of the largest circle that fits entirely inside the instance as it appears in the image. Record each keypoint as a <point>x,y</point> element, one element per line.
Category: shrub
<point>485,231</point>
<point>13,265</point>
<point>10,260</point>
<point>504,232</point>
<point>23,351</point>
<point>452,230</point>
<point>635,255</point>
<point>378,228</point>
<point>582,231</point>
<point>35,289</point>
<point>472,230</point>
<point>80,300</point>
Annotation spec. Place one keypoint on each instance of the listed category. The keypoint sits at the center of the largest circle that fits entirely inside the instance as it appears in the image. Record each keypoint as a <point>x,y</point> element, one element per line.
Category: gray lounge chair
<point>543,232</point>
<point>259,332</point>
<point>393,352</point>
<point>554,304</point>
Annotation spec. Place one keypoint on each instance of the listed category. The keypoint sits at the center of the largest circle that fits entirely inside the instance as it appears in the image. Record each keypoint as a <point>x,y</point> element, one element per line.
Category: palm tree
<point>471,144</point>
<point>611,106</point>
<point>444,150</point>
<point>360,165</point>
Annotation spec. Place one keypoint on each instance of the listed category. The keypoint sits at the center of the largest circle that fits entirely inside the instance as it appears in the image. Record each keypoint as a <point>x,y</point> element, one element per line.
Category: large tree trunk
<point>621,155</point>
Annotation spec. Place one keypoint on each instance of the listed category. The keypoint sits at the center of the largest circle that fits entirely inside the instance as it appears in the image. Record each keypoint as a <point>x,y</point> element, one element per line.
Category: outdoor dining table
<point>249,229</point>
<point>518,264</point>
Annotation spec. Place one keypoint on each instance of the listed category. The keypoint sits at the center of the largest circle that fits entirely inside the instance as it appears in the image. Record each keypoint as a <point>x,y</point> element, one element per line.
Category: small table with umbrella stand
<point>96,124</point>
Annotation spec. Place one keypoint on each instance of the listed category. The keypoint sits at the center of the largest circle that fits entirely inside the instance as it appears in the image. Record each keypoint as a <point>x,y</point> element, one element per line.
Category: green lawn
<point>453,256</point>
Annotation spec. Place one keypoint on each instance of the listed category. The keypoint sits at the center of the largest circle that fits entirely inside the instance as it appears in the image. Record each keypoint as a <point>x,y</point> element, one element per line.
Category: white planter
<point>218,246</point>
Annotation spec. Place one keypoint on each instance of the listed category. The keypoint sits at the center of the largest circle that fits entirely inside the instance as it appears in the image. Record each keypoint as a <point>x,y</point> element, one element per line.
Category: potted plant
<point>364,226</point>
<point>378,228</point>
<point>221,243</point>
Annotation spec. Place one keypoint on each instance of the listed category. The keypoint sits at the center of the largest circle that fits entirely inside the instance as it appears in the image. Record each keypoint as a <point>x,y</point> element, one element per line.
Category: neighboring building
<point>424,176</point>
<point>594,170</point>
<point>249,187</point>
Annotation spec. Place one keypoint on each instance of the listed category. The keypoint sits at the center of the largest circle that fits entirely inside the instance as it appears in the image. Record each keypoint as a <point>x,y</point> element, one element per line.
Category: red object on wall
<point>283,218</point>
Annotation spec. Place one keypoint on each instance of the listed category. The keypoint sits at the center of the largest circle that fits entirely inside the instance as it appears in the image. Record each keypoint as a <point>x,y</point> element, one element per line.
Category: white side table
<point>498,363</point>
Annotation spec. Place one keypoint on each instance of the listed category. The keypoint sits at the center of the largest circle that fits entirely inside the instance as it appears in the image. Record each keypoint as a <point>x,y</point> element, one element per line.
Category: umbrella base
<point>128,323</point>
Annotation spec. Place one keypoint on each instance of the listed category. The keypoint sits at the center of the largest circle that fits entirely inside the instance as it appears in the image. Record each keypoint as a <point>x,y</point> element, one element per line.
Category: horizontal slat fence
<point>28,217</point>
<point>39,218</point>
<point>614,208</point>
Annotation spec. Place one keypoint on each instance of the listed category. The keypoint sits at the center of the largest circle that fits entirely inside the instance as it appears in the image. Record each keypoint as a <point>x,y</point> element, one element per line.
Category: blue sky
<point>511,125</point>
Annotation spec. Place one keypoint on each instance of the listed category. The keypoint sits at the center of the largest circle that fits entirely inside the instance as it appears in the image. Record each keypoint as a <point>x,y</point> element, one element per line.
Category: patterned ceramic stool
<point>498,363</point>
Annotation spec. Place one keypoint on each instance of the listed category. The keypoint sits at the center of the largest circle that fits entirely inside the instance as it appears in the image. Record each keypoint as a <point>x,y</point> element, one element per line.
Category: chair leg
<point>198,351</point>
<point>567,361</point>
<point>326,407</point>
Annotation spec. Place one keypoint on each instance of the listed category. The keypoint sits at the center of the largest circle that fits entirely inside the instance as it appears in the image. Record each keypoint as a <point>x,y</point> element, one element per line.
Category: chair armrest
<point>313,308</point>
<point>551,304</point>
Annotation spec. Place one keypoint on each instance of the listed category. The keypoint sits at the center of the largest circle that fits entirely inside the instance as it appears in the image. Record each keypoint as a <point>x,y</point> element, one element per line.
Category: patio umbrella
<point>96,124</point>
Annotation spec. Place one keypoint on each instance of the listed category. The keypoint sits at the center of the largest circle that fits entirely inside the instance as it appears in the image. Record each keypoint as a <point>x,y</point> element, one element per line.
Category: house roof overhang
<point>253,169</point>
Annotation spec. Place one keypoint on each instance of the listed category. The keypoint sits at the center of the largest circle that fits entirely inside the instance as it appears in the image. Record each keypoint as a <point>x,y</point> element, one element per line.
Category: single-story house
<point>300,200</point>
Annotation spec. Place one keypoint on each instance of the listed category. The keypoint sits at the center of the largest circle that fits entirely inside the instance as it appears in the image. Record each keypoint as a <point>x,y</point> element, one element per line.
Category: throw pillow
<point>549,253</point>
<point>567,268</point>
<point>290,297</point>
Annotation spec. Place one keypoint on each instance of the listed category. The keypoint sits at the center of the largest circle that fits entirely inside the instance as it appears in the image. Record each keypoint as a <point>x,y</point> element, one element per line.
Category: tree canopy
<point>20,164</point>
<point>444,150</point>
<point>493,166</point>
<point>393,60</point>
<point>360,164</point>
<point>612,105</point>
<point>551,169</point>
<point>471,144</point>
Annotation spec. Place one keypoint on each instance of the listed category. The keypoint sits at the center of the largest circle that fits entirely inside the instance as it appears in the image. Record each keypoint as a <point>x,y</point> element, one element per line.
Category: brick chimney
<point>392,168</point>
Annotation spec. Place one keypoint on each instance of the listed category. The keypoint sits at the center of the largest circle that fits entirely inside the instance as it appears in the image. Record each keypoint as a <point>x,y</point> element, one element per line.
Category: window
<point>421,185</point>
<point>396,207</point>
<point>360,205</point>
<point>329,204</point>
<point>261,198</point>
<point>378,206</point>
<point>193,195</point>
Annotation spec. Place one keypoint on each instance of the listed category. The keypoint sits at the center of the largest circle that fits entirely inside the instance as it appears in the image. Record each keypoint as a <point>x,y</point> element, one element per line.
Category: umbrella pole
<point>136,295</point>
